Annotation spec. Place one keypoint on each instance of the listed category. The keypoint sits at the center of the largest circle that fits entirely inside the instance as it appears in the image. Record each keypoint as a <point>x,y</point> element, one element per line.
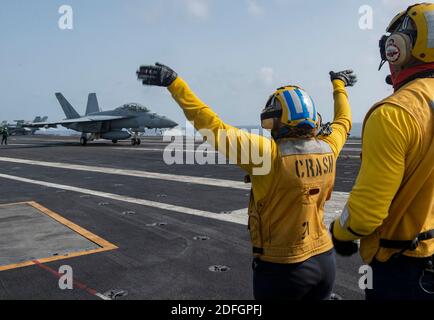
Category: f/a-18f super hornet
<point>121,123</point>
<point>19,127</point>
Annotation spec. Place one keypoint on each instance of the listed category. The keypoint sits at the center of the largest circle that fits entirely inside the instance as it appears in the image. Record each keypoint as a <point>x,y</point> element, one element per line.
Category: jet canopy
<point>133,107</point>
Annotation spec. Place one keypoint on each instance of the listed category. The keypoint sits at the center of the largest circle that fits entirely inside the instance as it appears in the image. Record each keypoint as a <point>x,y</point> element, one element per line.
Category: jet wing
<point>87,119</point>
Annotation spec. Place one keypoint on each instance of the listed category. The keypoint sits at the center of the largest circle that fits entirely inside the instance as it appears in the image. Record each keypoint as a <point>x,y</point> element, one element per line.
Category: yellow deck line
<point>105,245</point>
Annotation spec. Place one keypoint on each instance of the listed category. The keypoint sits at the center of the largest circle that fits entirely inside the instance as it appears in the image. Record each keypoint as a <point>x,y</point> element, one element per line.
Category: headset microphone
<point>389,80</point>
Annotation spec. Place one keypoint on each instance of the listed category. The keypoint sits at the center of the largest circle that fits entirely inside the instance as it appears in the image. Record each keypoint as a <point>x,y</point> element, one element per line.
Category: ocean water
<point>356,131</point>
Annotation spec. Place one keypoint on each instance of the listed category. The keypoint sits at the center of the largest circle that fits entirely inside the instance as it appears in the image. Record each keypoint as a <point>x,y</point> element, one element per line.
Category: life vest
<point>409,226</point>
<point>287,226</point>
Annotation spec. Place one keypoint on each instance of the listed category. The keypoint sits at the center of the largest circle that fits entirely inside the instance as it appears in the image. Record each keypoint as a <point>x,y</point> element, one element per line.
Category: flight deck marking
<point>235,218</point>
<point>76,283</point>
<point>162,150</point>
<point>238,216</point>
<point>144,174</point>
<point>353,149</point>
<point>135,173</point>
<point>103,244</point>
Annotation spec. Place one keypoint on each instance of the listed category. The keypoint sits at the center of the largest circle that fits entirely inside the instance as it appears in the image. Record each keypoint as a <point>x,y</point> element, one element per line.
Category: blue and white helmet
<point>293,106</point>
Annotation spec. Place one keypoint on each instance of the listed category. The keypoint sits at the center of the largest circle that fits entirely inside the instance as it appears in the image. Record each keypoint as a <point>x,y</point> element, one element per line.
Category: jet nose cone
<point>171,124</point>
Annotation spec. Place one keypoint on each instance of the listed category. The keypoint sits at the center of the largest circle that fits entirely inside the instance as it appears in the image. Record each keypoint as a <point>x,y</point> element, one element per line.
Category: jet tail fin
<point>92,104</point>
<point>69,111</point>
<point>37,119</point>
<point>44,119</point>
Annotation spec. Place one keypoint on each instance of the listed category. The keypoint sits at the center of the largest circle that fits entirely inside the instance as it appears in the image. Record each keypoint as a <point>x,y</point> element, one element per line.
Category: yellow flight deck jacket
<point>393,198</point>
<point>291,184</point>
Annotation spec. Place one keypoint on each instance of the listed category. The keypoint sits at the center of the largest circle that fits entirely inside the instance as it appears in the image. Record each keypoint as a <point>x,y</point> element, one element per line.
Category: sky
<point>233,53</point>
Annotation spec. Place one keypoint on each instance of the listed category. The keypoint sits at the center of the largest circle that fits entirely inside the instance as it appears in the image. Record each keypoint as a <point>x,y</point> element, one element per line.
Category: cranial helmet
<point>292,106</point>
<point>411,35</point>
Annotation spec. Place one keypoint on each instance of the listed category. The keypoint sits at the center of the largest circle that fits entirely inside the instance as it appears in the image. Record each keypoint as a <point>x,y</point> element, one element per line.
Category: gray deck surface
<point>27,234</point>
<point>158,256</point>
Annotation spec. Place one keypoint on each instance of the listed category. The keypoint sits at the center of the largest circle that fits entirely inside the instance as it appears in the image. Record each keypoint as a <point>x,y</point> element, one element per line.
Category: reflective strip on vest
<point>299,147</point>
<point>343,220</point>
<point>429,17</point>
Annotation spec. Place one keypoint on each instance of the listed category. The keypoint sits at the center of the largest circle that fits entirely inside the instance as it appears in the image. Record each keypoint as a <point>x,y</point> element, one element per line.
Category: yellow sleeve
<point>253,153</point>
<point>389,135</point>
<point>342,122</point>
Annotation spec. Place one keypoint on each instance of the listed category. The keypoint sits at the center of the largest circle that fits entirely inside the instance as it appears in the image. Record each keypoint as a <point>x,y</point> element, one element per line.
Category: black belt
<point>257,250</point>
<point>405,245</point>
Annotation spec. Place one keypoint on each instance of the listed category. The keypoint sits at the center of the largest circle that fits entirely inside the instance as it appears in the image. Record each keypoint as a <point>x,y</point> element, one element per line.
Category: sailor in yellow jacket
<point>391,207</point>
<point>292,247</point>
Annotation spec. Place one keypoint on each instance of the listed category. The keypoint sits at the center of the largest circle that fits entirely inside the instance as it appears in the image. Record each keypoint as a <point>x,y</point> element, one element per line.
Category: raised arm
<point>342,121</point>
<point>251,152</point>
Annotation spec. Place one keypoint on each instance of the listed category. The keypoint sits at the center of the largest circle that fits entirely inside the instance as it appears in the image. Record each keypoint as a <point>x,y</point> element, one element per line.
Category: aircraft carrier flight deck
<point>131,227</point>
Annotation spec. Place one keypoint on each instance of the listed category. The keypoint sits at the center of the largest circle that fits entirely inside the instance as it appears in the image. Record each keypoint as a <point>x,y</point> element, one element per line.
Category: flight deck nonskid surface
<point>168,233</point>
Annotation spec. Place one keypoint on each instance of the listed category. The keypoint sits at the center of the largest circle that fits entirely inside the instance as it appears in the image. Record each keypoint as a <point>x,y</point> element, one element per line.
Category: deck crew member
<point>391,208</point>
<point>292,248</point>
<point>5,135</point>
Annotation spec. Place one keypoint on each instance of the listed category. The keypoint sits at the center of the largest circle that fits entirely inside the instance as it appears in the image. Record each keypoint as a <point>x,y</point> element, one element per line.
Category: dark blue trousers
<point>402,278</point>
<point>312,279</point>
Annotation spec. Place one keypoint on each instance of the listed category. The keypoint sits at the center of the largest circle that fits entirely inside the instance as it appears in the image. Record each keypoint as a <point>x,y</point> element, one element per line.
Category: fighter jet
<point>19,127</point>
<point>122,123</point>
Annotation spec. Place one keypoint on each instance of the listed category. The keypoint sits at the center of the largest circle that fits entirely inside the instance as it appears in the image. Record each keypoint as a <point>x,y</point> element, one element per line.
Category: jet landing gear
<point>135,141</point>
<point>83,141</point>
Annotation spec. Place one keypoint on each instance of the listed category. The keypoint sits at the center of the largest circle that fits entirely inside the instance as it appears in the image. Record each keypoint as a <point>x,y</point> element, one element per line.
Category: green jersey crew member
<point>292,248</point>
<point>391,207</point>
<point>5,135</point>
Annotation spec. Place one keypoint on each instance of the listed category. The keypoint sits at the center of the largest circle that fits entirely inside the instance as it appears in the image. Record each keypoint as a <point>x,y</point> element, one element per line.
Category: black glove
<point>347,76</point>
<point>344,248</point>
<point>158,75</point>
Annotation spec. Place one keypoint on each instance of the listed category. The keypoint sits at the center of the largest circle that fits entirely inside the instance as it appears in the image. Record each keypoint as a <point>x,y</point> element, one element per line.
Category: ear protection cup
<point>398,49</point>
<point>268,124</point>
